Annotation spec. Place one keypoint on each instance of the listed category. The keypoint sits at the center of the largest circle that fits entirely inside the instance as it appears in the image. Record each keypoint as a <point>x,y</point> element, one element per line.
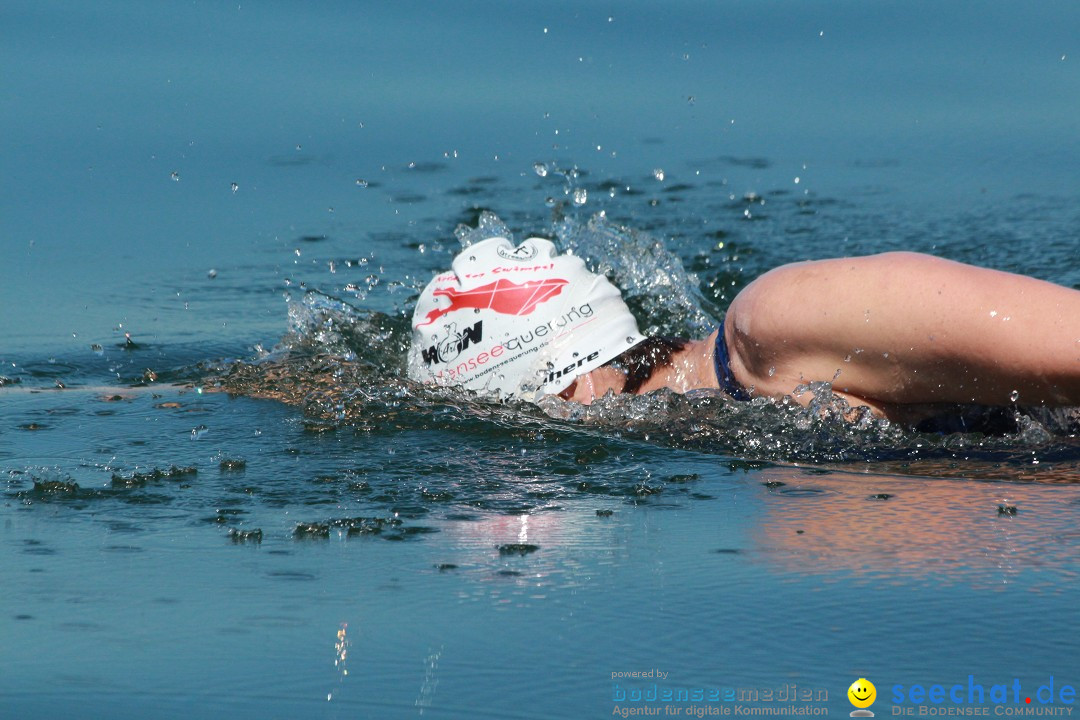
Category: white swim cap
<point>521,322</point>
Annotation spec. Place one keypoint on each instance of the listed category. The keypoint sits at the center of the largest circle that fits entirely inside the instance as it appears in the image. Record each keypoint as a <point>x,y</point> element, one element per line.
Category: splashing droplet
<point>658,173</point>
<point>540,169</point>
<point>581,196</point>
<point>175,176</point>
<point>361,183</point>
<point>234,187</point>
<point>1014,395</point>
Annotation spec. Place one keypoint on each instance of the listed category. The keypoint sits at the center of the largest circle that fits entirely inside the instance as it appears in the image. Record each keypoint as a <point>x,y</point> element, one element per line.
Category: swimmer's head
<point>517,322</point>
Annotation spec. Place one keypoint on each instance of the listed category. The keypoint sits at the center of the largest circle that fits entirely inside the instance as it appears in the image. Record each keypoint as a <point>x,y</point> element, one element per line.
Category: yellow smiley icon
<point>862,693</point>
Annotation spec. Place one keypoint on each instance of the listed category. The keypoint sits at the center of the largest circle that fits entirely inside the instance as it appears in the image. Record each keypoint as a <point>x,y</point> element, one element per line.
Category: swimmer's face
<point>594,384</point>
<point>862,693</point>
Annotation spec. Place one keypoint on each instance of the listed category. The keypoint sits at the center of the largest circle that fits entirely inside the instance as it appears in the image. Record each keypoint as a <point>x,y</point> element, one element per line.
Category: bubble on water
<point>540,169</point>
<point>212,273</point>
<point>549,201</point>
<point>658,173</point>
<point>581,196</point>
<point>361,183</point>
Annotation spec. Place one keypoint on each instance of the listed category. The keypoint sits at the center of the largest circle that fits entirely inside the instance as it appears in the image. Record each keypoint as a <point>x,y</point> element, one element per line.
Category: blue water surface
<point>182,174</point>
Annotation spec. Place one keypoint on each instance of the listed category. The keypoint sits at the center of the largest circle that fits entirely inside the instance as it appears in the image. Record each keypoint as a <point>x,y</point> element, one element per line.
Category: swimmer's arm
<point>902,328</point>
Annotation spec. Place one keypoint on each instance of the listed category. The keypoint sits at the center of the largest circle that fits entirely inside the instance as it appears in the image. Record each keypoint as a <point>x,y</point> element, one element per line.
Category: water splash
<point>661,293</point>
<point>488,226</point>
<point>431,681</point>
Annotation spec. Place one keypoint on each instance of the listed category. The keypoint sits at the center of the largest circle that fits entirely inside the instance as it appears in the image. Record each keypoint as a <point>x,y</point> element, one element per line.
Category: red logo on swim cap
<point>502,296</point>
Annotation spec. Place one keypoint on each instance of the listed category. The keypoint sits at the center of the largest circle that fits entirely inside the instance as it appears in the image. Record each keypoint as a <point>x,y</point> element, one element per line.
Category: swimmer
<point>900,333</point>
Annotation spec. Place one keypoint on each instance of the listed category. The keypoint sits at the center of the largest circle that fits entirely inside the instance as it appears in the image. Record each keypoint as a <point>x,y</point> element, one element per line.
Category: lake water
<point>201,197</point>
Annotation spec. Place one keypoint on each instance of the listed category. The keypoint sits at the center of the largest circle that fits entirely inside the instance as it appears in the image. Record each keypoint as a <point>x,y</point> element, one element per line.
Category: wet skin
<point>900,333</point>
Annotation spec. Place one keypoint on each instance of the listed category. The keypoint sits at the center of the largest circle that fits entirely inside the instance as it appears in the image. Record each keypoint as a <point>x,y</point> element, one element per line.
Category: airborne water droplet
<point>581,196</point>
<point>361,182</point>
<point>1014,395</point>
<point>541,169</point>
<point>658,173</point>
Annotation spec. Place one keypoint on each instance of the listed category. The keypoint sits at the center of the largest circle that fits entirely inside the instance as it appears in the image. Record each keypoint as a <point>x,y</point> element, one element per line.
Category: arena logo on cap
<point>503,296</point>
<point>448,349</point>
